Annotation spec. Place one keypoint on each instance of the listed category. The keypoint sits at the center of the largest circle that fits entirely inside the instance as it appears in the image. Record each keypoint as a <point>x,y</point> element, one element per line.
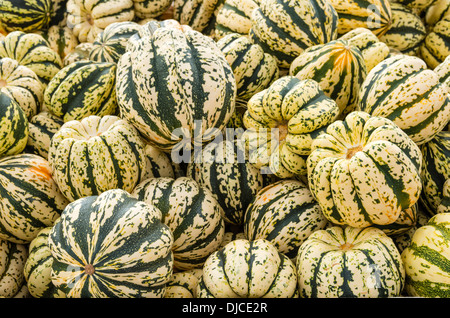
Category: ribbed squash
<point>248,269</point>
<point>14,128</point>
<point>285,213</point>
<point>12,259</point>
<point>82,89</point>
<point>338,67</point>
<point>110,44</point>
<point>436,170</point>
<point>404,239</point>
<point>443,72</point>
<point>26,16</point>
<point>285,28</point>
<point>30,198</point>
<point>374,15</point>
<point>183,284</point>
<point>435,12</point>
<point>417,5</point>
<point>193,90</point>
<point>281,122</point>
<point>436,45</point>
<point>38,267</point>
<point>426,259</point>
<point>88,18</point>
<point>42,127</point>
<point>347,262</point>
<point>199,15</point>
<point>111,246</point>
<point>147,9</point>
<point>96,154</point>
<point>80,53</point>
<point>191,212</point>
<point>406,31</point>
<point>406,220</point>
<point>158,163</point>
<point>61,39</point>
<point>372,49</point>
<point>233,180</point>
<point>234,17</point>
<point>404,90</point>
<point>254,70</point>
<point>33,51</point>
<point>364,170</point>
<point>22,85</point>
<point>444,205</point>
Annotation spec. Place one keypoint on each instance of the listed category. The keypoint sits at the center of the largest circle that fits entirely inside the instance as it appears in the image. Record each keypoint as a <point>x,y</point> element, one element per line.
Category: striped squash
<point>96,154</point>
<point>33,51</point>
<point>417,5</point>
<point>406,220</point>
<point>372,49</point>
<point>281,122</point>
<point>14,129</point>
<point>284,213</point>
<point>38,267</point>
<point>147,9</point>
<point>338,67</point>
<point>248,269</point>
<point>426,259</point>
<point>364,170</point>
<point>404,90</point>
<point>22,85</point>
<point>404,239</point>
<point>26,16</point>
<point>199,15</point>
<point>406,32</point>
<point>42,127</point>
<point>30,199</point>
<point>82,89</point>
<point>88,18</point>
<point>133,255</point>
<point>12,259</point>
<point>192,214</point>
<point>183,284</point>
<point>374,15</point>
<point>223,169</point>
<point>435,171</point>
<point>443,72</point>
<point>444,205</point>
<point>285,28</point>
<point>80,53</point>
<point>193,89</point>
<point>158,163</point>
<point>110,44</point>
<point>435,12</point>
<point>347,262</point>
<point>234,17</point>
<point>436,45</point>
<point>254,70</point>
<point>60,38</point>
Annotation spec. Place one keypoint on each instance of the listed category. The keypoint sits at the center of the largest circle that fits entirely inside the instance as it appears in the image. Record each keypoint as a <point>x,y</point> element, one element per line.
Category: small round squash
<point>12,262</point>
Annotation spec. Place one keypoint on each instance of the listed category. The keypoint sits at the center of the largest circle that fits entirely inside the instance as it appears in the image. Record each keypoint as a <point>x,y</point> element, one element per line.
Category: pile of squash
<point>224,148</point>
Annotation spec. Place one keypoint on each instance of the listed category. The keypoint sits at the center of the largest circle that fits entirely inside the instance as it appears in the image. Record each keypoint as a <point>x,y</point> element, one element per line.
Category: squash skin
<point>13,257</point>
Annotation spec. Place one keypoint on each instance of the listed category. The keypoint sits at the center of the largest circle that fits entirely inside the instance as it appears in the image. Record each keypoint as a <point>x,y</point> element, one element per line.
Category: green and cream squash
<point>223,168</point>
<point>234,17</point>
<point>443,72</point>
<point>14,127</point>
<point>364,170</point>
<point>33,51</point>
<point>436,45</point>
<point>338,67</point>
<point>347,262</point>
<point>82,89</point>
<point>148,9</point>
<point>12,260</point>
<point>402,89</point>
<point>426,259</point>
<point>158,163</point>
<point>281,122</point>
<point>42,127</point>
<point>285,213</point>
<point>403,240</point>
<point>38,267</point>
<point>285,28</point>
<point>417,5</point>
<point>406,32</point>
<point>111,246</point>
<point>435,12</point>
<point>374,15</point>
<point>192,92</point>
<point>61,39</point>
<point>22,85</point>
<point>191,212</point>
<point>406,220</point>
<point>248,269</point>
<point>89,18</point>
<point>26,16</point>
<point>80,53</point>
<point>30,199</point>
<point>96,154</point>
<point>435,171</point>
<point>110,44</point>
<point>444,205</point>
<point>199,15</point>
<point>372,49</point>
<point>254,70</point>
<point>183,284</point>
